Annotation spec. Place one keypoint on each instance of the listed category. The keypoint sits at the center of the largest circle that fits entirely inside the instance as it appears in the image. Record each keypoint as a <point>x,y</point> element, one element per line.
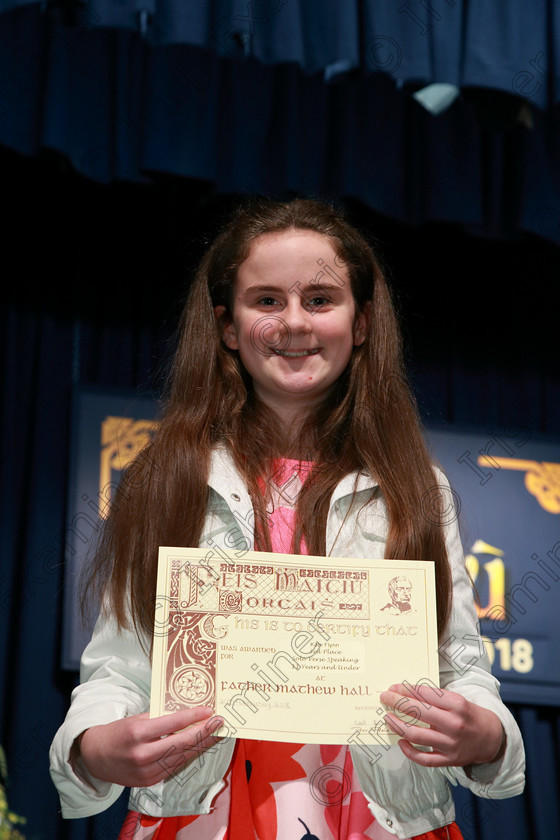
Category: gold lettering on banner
<point>542,479</point>
<point>122,439</point>
<point>495,569</point>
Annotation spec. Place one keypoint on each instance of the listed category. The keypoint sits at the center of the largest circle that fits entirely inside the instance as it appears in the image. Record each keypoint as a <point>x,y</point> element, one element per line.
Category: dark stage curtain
<point>273,95</point>
<point>92,294</point>
<point>461,42</point>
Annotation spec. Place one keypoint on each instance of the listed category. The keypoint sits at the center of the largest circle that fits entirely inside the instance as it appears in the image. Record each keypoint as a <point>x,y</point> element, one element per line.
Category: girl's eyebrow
<point>322,287</point>
<point>310,286</point>
<point>251,289</point>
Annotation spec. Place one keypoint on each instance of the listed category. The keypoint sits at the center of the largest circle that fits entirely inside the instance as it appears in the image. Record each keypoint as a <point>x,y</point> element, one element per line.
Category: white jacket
<point>406,798</point>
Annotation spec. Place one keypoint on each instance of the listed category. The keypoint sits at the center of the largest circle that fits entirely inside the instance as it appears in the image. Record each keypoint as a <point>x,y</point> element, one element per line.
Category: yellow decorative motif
<point>496,572</point>
<point>122,439</point>
<point>542,479</point>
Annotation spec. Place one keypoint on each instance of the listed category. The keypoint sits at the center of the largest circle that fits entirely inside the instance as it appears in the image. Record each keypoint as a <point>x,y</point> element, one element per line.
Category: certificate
<point>291,648</point>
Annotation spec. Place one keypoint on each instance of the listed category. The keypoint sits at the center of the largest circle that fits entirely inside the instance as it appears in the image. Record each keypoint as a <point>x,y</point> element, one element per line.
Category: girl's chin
<point>298,393</point>
<point>302,386</point>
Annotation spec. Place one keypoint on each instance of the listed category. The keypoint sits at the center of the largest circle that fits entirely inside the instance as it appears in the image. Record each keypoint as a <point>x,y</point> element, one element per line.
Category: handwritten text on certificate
<point>291,648</point>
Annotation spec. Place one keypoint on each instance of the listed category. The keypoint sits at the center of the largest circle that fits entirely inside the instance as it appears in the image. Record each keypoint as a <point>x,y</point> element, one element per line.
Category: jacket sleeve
<point>465,668</point>
<point>115,683</point>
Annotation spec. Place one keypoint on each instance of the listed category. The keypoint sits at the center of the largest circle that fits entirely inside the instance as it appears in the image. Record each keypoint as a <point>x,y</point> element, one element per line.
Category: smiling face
<point>294,319</point>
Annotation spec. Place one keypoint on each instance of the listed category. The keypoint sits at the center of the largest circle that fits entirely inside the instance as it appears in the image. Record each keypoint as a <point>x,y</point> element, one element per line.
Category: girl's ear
<point>226,328</point>
<point>361,324</point>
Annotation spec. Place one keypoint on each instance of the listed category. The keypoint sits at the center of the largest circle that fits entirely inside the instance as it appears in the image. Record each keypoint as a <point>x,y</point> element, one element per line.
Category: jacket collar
<point>224,474</point>
<point>225,478</point>
<point>354,483</point>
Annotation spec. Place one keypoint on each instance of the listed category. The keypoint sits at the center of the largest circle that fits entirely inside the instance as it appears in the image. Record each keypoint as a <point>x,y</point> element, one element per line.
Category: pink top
<point>283,488</point>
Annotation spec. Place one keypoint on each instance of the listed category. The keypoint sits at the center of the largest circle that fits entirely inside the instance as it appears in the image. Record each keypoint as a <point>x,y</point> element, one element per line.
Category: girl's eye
<point>316,302</point>
<point>267,301</point>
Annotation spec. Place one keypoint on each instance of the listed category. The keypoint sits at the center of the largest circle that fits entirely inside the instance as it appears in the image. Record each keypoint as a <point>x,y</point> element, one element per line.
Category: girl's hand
<point>138,751</point>
<point>460,733</point>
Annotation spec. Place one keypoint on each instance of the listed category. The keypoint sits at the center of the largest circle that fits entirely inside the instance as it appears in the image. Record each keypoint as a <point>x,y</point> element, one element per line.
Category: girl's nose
<point>297,315</point>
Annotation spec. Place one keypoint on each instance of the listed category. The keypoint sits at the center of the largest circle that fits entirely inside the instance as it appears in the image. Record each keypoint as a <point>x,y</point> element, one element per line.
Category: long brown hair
<point>369,422</point>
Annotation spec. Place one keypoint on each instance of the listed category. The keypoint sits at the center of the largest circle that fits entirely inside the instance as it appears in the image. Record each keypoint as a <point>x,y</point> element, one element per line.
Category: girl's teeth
<point>296,355</point>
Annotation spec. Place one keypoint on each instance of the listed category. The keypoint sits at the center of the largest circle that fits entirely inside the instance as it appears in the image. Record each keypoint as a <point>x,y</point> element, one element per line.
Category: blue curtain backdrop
<point>127,128</point>
<point>286,94</point>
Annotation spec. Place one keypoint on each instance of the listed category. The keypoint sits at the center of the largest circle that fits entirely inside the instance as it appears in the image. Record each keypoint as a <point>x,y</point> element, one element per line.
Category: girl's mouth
<point>296,354</point>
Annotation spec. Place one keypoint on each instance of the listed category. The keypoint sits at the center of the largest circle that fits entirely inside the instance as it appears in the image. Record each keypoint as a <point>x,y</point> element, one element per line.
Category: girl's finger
<point>166,725</point>
<point>422,736</point>
<point>409,711</point>
<point>426,759</point>
<point>432,706</point>
<point>425,695</point>
<point>171,753</point>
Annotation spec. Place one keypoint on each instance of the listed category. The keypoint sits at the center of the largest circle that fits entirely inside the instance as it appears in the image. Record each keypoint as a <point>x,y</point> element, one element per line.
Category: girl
<point>288,370</point>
